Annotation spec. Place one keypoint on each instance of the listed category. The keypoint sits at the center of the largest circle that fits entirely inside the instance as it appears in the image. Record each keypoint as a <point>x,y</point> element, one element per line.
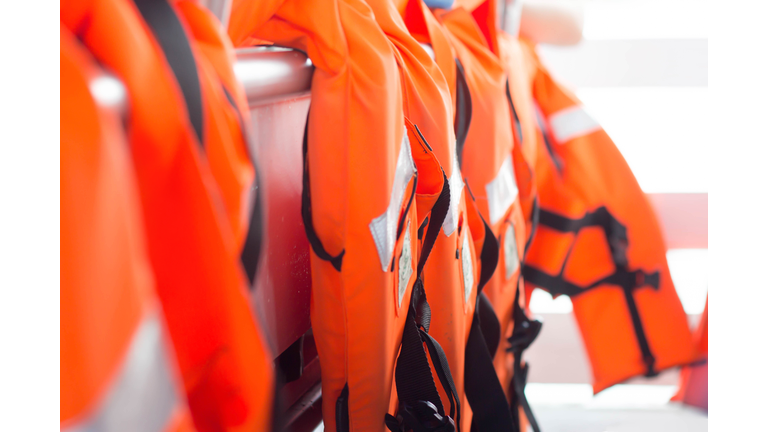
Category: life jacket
<point>599,242</point>
<point>118,367</point>
<point>370,179</point>
<point>511,54</point>
<point>693,387</point>
<point>193,248</point>
<point>490,161</point>
<point>452,273</point>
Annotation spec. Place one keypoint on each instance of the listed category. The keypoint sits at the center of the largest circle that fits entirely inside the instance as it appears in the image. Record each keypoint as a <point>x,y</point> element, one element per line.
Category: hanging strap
<point>306,211</point>
<point>524,330</point>
<point>524,333</point>
<point>485,394</point>
<point>463,116</point>
<point>421,409</point>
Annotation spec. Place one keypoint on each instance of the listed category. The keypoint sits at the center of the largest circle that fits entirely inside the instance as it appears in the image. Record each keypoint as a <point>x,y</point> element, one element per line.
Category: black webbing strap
<point>306,211</point>
<point>463,116</point>
<point>629,280</point>
<point>421,409</point>
<point>523,334</point>
<point>517,129</point>
<point>484,392</point>
<point>170,35</point>
<point>525,330</point>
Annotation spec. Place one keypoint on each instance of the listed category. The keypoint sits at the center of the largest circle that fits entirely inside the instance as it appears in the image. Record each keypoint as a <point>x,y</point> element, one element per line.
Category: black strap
<point>517,129</point>
<point>524,333</point>
<point>489,322</point>
<point>306,212</point>
<point>525,330</point>
<point>463,116</point>
<point>342,410</point>
<point>629,280</point>
<point>484,392</point>
<point>421,408</point>
<point>170,35</point>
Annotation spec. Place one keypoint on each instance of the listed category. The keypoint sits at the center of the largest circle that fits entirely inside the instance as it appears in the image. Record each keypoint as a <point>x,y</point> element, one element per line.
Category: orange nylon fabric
<point>579,173</point>
<point>225,138</point>
<point>452,263</point>
<point>355,138</point>
<point>489,168</point>
<point>225,365</point>
<point>107,286</point>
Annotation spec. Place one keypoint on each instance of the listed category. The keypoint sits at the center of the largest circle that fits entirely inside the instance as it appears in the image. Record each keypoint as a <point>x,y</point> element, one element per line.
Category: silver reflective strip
<point>455,184</point>
<point>502,191</point>
<point>511,258</point>
<point>384,227</point>
<point>467,268</point>
<point>571,123</point>
<point>143,395</point>
<point>405,269</point>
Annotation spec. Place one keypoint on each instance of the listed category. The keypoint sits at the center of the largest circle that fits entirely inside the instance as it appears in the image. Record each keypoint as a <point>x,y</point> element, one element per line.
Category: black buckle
<point>422,417</point>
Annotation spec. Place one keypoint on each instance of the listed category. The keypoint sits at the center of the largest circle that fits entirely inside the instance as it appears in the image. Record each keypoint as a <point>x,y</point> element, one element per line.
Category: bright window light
<point>662,132</point>
<point>641,19</point>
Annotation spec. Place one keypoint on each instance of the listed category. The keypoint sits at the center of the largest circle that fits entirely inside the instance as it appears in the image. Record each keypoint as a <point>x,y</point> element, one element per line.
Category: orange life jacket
<point>491,159</point>
<point>118,370</point>
<point>452,274</point>
<point>191,233</point>
<point>370,179</point>
<point>599,242</point>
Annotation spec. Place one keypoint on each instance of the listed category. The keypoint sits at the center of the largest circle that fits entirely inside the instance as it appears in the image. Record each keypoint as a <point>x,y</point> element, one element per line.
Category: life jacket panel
<point>370,179</point>
<point>487,164</point>
<point>599,242</point>
<point>225,365</point>
<point>118,369</point>
<point>452,271</point>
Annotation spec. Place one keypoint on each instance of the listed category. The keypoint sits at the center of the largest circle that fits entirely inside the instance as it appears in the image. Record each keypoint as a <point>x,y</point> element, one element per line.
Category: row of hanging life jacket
<point>159,230</point>
<point>432,134</point>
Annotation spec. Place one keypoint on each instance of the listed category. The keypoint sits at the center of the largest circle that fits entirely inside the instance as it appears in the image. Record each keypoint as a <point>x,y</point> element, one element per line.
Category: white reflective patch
<point>143,395</point>
<point>456,184</point>
<point>467,268</point>
<point>405,270</point>
<point>502,190</point>
<point>511,259</point>
<point>428,49</point>
<point>384,227</point>
<point>571,123</point>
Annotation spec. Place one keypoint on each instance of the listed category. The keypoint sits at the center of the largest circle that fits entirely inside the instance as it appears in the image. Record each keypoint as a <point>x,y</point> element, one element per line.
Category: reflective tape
<point>571,123</point>
<point>502,191</point>
<point>511,258</point>
<point>467,268</point>
<point>143,395</point>
<point>456,184</point>
<point>384,227</point>
<point>405,265</point>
